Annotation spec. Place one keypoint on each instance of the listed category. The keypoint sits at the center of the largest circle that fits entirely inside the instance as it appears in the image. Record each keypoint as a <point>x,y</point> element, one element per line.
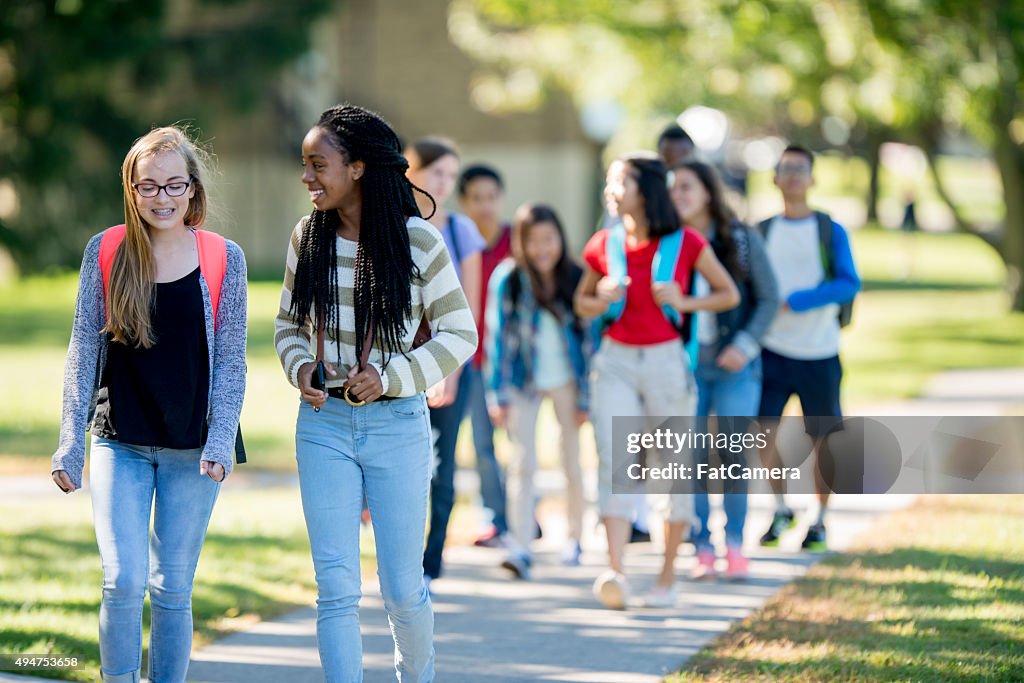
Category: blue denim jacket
<point>511,336</point>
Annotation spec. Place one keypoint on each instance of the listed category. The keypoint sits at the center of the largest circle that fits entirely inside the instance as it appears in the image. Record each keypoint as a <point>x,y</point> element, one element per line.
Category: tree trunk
<point>1009,243</point>
<point>1009,157</point>
<point>962,224</point>
<point>874,163</point>
<point>1010,161</point>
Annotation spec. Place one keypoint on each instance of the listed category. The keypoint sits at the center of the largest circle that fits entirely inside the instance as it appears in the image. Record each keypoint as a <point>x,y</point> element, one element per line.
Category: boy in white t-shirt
<point>801,349</point>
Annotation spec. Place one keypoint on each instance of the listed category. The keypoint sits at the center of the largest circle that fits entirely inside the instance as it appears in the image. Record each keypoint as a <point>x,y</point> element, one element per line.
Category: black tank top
<point>158,396</point>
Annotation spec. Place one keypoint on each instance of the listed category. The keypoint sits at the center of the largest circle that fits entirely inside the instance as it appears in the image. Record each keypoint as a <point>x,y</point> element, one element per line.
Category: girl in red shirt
<point>641,368</point>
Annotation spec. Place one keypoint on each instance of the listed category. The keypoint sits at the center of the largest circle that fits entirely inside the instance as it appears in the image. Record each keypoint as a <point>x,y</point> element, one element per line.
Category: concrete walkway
<point>551,628</point>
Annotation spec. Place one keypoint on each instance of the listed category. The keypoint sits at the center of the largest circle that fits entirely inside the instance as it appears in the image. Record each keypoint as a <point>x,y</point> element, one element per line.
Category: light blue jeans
<point>124,480</point>
<point>721,392</point>
<point>383,450</point>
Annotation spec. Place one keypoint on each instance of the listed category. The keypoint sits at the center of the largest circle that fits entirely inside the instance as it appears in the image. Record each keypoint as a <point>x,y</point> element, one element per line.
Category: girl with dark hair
<point>158,343</point>
<point>729,359</point>
<point>641,368</point>
<point>537,348</point>
<point>434,166</point>
<point>362,271</point>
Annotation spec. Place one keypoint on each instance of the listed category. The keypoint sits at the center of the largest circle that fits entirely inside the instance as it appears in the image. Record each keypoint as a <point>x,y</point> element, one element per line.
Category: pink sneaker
<point>737,565</point>
<point>705,567</point>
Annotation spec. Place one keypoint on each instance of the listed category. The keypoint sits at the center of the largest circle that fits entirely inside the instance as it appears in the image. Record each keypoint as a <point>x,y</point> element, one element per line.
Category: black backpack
<point>828,262</point>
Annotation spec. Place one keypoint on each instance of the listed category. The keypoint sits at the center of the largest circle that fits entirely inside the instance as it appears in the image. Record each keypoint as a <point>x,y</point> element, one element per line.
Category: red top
<point>490,258</point>
<point>643,323</point>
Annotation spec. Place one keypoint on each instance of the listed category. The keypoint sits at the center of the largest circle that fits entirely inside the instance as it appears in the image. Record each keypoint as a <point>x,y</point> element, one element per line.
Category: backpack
<point>663,269</point>
<point>213,263</point>
<point>828,261</point>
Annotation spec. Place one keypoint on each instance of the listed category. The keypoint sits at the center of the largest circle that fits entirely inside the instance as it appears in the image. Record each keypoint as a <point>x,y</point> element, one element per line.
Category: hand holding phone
<point>319,380</point>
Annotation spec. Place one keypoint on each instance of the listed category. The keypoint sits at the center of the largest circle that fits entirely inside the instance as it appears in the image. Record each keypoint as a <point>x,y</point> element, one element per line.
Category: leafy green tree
<point>909,71</point>
<point>967,60</point>
<point>81,79</point>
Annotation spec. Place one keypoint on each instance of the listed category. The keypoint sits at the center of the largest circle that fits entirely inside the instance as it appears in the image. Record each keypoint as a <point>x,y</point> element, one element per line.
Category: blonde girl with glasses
<point>156,369</point>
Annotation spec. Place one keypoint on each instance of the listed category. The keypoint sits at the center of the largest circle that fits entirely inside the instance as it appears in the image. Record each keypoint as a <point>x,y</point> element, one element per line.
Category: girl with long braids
<point>641,368</point>
<point>363,269</point>
<point>158,346</point>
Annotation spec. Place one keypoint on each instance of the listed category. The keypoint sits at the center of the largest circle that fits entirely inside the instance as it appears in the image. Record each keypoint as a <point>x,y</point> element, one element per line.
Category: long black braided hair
<point>384,269</point>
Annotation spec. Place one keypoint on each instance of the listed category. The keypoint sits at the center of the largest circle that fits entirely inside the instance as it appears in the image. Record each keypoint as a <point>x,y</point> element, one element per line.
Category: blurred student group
<point>715,318</point>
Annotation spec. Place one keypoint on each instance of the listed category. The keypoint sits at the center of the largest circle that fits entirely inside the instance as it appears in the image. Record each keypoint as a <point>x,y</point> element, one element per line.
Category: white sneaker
<point>661,596</point>
<point>612,590</point>
<point>518,564</point>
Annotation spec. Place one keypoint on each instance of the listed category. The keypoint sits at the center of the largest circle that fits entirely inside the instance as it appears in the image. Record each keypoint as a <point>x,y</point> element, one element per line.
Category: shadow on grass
<point>36,441</point>
<point>51,545</point>
<point>50,642</point>
<point>241,574</point>
<point>958,664</point>
<point>845,624</point>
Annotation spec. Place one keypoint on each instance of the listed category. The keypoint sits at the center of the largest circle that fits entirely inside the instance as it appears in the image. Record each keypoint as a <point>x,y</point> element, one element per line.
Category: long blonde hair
<point>130,291</point>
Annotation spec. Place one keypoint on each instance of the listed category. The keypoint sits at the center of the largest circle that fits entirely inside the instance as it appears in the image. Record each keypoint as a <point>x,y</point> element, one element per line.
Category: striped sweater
<point>438,293</point>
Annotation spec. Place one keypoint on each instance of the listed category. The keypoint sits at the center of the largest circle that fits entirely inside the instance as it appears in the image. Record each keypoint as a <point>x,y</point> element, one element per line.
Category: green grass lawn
<point>255,563</point>
<point>930,303</point>
<point>932,593</point>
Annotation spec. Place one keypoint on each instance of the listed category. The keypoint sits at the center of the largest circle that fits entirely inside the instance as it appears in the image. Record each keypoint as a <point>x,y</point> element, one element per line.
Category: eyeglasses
<point>794,169</point>
<point>150,190</point>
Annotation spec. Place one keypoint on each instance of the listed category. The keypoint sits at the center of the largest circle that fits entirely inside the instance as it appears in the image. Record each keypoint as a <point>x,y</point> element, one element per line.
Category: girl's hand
<point>610,290</point>
<point>437,395</point>
<point>313,397</point>
<point>365,385</point>
<point>731,359</point>
<point>669,294</point>
<point>444,392</point>
<point>581,417</point>
<point>63,481</point>
<point>214,470</point>
<point>499,416</point>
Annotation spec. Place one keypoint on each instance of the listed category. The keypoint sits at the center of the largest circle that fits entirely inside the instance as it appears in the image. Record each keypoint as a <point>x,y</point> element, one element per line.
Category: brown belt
<point>339,392</point>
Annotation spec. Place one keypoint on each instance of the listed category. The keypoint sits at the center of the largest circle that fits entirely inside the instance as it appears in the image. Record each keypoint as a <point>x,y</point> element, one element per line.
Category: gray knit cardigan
<point>87,354</point>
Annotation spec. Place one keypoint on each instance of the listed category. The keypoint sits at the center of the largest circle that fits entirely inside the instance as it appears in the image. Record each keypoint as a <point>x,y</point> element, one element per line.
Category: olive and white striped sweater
<point>438,292</point>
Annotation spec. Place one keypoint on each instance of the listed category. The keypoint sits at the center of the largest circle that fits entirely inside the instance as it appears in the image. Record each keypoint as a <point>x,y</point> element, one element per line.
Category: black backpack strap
<point>239,447</point>
<point>685,328</point>
<point>828,260</point>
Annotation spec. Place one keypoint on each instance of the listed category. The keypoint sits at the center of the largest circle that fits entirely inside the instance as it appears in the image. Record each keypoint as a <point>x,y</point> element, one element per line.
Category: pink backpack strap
<point>213,263</point>
<point>111,240</point>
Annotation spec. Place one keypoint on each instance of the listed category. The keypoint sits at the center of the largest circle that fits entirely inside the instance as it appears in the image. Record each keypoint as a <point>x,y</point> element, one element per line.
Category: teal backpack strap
<point>693,345</point>
<point>663,268</point>
<point>615,251</point>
